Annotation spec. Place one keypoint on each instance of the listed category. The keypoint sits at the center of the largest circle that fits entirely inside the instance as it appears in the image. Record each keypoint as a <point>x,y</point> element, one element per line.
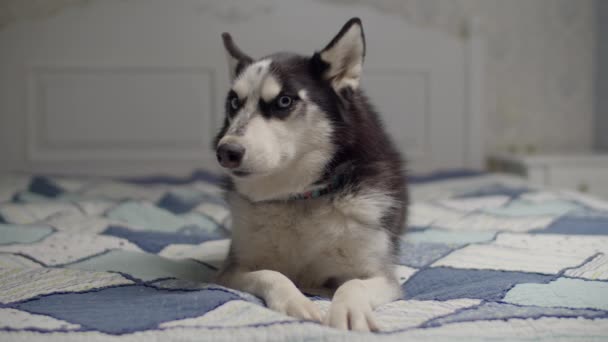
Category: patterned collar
<point>335,183</point>
<point>341,175</point>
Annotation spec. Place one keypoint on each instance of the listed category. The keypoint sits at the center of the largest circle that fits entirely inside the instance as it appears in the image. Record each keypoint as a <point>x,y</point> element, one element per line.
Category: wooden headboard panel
<point>137,86</point>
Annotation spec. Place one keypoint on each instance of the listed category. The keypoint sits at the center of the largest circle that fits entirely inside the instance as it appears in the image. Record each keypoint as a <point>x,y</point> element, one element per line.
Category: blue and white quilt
<point>487,257</point>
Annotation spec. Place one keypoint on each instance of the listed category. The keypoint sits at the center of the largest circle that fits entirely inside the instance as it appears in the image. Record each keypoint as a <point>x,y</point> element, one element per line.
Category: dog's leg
<point>279,293</point>
<point>354,301</point>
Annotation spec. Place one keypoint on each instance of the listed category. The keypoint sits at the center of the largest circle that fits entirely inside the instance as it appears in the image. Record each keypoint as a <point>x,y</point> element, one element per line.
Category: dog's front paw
<point>351,315</point>
<point>295,305</point>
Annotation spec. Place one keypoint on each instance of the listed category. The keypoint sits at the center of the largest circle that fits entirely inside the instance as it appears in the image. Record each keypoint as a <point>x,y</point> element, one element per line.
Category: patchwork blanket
<point>486,257</point>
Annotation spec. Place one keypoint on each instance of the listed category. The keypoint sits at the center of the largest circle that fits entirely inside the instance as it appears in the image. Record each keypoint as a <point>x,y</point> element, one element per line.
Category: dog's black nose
<point>230,155</point>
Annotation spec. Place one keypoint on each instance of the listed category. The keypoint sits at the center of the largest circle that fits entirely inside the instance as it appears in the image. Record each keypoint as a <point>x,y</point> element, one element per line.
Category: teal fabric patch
<point>148,216</point>
<point>146,266</point>
<point>448,237</point>
<point>30,197</point>
<point>563,292</point>
<point>12,233</point>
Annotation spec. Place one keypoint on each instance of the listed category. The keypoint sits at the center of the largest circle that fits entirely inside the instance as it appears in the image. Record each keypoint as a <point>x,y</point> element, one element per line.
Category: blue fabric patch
<point>44,186</point>
<point>181,202</point>
<point>177,205</point>
<point>584,223</point>
<point>419,255</point>
<point>204,232</point>
<point>442,283</point>
<point>155,241</point>
<point>496,311</point>
<point>181,284</point>
<point>495,190</point>
<point>128,308</point>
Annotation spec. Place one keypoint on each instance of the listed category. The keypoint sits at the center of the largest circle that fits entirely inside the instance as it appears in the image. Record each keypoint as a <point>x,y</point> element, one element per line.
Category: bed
<point>120,255</point>
<point>486,257</point>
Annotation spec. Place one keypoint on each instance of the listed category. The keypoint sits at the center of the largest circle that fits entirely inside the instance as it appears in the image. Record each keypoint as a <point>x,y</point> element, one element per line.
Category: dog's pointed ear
<point>343,56</point>
<point>237,59</point>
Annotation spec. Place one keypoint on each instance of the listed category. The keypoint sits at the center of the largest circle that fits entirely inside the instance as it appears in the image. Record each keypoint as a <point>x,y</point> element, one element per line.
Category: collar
<point>334,184</point>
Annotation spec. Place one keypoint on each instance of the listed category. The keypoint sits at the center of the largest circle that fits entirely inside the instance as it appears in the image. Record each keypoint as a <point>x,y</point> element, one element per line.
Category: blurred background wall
<point>601,124</point>
<point>540,63</point>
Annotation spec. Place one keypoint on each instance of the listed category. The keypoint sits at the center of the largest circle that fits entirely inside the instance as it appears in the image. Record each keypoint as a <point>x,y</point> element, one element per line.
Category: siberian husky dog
<point>316,187</point>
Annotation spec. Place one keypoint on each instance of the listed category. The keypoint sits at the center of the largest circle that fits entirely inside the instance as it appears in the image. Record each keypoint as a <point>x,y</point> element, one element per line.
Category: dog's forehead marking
<point>270,88</point>
<point>251,78</point>
<point>248,85</point>
<point>303,94</point>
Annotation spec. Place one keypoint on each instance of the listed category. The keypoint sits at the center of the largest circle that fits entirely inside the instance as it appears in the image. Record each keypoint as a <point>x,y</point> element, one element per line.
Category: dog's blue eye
<point>284,102</point>
<point>235,103</point>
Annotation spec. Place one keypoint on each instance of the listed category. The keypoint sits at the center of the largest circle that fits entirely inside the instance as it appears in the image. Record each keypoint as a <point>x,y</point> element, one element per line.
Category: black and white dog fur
<point>295,124</point>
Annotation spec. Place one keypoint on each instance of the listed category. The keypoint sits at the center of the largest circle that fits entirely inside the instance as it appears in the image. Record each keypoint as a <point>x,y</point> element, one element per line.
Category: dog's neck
<point>316,190</point>
<point>301,181</point>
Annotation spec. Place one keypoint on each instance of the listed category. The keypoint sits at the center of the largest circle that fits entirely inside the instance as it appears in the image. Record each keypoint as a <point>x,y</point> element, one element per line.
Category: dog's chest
<point>287,236</point>
<point>306,240</point>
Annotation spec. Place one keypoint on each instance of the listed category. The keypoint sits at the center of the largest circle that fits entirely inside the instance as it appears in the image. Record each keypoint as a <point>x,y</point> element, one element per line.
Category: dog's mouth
<point>240,173</point>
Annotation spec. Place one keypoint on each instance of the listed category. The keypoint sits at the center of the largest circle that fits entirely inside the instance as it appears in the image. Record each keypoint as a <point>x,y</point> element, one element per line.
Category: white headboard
<point>117,87</point>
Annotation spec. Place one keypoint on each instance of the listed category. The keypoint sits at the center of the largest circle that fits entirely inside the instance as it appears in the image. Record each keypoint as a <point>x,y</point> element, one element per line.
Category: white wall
<point>539,72</point>
<point>601,113</point>
<point>137,86</point>
<point>540,65</point>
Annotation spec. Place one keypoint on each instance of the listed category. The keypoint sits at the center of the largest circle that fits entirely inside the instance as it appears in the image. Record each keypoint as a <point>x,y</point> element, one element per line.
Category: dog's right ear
<point>340,62</point>
<point>237,59</point>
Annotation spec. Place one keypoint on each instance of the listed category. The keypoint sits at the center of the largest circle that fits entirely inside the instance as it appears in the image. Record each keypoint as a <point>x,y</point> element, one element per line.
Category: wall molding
<point>474,151</point>
<point>41,147</point>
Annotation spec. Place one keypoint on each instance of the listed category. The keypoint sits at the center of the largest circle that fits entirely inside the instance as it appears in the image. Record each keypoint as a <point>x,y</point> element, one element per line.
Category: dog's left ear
<point>237,59</point>
<point>343,56</point>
